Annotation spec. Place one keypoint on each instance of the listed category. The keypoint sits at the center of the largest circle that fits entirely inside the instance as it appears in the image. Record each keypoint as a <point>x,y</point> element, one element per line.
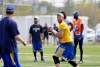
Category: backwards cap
<point>36,17</point>
<point>10,8</point>
<point>60,14</point>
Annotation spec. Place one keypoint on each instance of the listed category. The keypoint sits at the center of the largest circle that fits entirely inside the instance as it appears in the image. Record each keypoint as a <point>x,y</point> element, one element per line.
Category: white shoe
<point>80,62</point>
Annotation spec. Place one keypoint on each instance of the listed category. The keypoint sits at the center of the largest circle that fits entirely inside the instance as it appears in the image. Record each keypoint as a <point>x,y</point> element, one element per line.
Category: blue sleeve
<point>13,28</point>
<point>41,29</point>
<point>30,30</point>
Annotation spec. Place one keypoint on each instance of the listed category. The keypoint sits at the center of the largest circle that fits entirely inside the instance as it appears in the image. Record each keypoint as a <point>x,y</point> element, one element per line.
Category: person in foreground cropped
<point>8,35</point>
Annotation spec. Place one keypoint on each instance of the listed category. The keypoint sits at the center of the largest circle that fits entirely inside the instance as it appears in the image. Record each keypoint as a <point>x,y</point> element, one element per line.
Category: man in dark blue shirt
<point>36,36</point>
<point>55,39</point>
<point>8,35</point>
<point>46,34</point>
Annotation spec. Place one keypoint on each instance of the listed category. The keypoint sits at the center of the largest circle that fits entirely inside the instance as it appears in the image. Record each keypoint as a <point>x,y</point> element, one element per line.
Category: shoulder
<point>32,26</point>
<point>11,21</point>
<point>63,23</point>
<point>40,26</point>
<point>80,20</point>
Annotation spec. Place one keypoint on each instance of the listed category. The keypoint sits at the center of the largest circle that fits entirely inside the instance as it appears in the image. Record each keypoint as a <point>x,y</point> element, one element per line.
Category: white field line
<point>52,54</point>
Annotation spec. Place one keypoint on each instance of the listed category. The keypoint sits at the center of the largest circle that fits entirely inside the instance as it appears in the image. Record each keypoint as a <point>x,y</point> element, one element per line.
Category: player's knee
<point>40,50</point>
<point>56,60</point>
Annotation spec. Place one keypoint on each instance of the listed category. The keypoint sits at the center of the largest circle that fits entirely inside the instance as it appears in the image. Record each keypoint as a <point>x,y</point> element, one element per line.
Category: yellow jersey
<point>66,35</point>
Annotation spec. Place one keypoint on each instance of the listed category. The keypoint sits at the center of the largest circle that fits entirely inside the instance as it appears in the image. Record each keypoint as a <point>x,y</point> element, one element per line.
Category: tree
<point>69,7</point>
<point>43,5</point>
<point>9,1</point>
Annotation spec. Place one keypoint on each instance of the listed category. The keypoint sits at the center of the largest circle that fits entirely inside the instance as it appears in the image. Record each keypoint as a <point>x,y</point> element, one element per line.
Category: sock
<point>73,63</point>
<point>41,55</point>
<point>35,56</point>
<point>56,60</point>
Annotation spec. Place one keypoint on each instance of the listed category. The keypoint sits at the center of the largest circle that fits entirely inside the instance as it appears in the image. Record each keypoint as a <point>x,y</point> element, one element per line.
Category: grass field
<point>91,56</point>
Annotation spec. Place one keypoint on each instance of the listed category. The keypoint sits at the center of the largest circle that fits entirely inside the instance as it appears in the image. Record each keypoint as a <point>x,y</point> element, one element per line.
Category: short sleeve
<point>13,28</point>
<point>41,29</point>
<point>63,26</point>
<point>30,30</point>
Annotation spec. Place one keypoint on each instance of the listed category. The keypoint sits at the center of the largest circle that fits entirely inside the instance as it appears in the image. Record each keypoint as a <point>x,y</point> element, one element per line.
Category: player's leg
<point>69,54</point>
<point>34,45</point>
<point>73,63</point>
<point>16,58</point>
<point>81,50</point>
<point>40,48</point>
<point>56,61</point>
<point>62,59</point>
<point>8,60</point>
<point>75,46</point>
<point>58,53</point>
<point>47,38</point>
<point>35,56</point>
<point>44,40</point>
<point>54,40</point>
<point>0,56</point>
<point>41,53</point>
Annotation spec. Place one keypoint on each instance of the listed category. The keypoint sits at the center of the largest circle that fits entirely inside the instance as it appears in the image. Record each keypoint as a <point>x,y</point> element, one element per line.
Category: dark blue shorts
<point>66,50</point>
<point>37,46</point>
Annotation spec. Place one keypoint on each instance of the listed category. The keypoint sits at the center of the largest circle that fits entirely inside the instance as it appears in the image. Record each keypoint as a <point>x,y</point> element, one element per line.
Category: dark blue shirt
<point>35,31</point>
<point>45,30</point>
<point>8,31</point>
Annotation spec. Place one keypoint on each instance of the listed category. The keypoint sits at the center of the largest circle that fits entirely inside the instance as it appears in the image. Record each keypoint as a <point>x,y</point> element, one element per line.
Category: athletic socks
<point>41,53</point>
<point>73,63</point>
<point>56,60</point>
<point>35,57</point>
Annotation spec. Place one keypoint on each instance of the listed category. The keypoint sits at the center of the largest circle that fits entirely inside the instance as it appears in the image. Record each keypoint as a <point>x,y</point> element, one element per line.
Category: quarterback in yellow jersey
<point>66,43</point>
<point>66,37</point>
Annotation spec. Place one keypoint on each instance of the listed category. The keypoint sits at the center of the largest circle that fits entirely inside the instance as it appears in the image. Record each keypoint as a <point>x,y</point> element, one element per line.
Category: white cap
<point>60,14</point>
<point>36,17</point>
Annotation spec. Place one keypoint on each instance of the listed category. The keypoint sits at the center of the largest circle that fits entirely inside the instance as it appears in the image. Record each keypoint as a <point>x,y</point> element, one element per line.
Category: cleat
<point>62,60</point>
<point>35,60</point>
<point>42,60</point>
<point>80,62</point>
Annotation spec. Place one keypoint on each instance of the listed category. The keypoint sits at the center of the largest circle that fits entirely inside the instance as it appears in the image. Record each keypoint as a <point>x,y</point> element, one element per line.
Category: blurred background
<point>47,10</point>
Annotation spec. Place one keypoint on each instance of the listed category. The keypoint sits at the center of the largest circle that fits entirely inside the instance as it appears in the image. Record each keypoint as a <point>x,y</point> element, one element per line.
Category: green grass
<point>91,56</point>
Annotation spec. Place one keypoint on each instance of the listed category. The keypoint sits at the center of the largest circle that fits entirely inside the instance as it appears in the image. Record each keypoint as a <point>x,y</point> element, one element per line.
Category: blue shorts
<point>65,50</point>
<point>78,37</point>
<point>37,46</point>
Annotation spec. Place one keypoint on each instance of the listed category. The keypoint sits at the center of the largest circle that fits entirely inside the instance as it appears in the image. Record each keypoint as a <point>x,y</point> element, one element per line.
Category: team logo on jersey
<point>36,29</point>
